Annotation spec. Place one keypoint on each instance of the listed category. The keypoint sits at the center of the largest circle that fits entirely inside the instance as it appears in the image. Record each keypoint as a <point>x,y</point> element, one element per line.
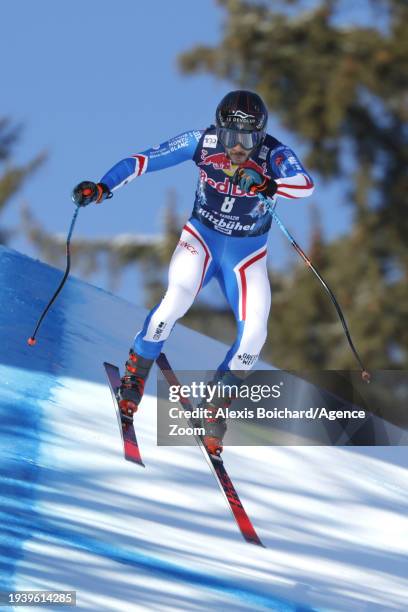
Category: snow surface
<point>76,516</point>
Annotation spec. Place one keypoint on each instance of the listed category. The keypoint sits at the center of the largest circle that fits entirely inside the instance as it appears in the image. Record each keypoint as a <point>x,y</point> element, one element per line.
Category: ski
<point>130,445</point>
<point>216,465</point>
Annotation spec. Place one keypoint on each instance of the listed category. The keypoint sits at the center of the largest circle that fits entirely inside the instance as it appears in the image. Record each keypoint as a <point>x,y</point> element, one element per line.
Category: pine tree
<point>12,177</point>
<point>342,90</point>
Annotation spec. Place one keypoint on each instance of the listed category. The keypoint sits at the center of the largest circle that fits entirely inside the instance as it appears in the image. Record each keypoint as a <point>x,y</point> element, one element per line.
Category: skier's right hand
<point>87,191</point>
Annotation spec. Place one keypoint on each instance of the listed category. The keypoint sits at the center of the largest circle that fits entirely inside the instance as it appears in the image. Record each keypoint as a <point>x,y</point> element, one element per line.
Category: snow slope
<point>75,515</point>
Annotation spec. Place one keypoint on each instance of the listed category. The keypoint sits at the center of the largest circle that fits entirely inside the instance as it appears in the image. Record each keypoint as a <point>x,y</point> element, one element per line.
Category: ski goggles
<point>248,140</point>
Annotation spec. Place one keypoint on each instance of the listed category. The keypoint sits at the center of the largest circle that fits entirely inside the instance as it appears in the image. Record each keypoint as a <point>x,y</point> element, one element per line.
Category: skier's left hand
<point>250,181</point>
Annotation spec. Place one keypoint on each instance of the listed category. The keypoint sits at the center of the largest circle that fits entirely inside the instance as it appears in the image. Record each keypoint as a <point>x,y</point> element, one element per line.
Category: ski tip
<point>253,538</point>
<point>137,461</point>
<point>258,543</point>
<point>132,453</point>
<point>106,364</point>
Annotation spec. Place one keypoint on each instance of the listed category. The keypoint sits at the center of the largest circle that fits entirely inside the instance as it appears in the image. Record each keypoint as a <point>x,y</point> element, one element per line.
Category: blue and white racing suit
<point>224,238</point>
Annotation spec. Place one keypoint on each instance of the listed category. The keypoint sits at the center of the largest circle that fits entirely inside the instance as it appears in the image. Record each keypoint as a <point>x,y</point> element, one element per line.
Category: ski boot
<point>131,390</point>
<point>215,428</point>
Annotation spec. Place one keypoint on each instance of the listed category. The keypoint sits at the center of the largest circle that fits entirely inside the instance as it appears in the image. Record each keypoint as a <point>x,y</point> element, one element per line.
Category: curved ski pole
<point>271,207</point>
<point>31,340</point>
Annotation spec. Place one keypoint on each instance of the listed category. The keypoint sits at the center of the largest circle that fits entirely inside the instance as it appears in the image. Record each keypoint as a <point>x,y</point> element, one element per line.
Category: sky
<point>93,82</point>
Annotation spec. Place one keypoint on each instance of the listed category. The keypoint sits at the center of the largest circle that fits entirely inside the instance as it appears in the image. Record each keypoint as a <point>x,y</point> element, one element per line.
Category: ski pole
<point>31,340</point>
<point>365,375</point>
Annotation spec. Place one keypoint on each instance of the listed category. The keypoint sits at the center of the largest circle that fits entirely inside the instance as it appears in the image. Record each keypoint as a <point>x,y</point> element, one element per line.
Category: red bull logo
<point>224,186</point>
<point>219,161</point>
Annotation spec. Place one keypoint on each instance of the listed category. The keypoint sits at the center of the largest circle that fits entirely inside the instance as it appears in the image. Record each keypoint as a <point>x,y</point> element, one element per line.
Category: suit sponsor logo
<point>294,162</point>
<point>263,152</point>
<point>224,225</point>
<point>210,141</point>
<point>186,245</point>
<point>224,186</point>
<point>219,161</point>
<point>180,142</point>
<point>159,330</point>
<point>247,359</point>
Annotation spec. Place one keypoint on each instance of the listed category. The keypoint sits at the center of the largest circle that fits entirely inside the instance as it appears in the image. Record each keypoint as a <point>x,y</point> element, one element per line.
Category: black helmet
<point>241,117</point>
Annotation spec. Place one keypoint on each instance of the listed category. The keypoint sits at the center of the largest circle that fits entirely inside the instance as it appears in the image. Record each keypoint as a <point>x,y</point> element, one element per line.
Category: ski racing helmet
<point>241,117</point>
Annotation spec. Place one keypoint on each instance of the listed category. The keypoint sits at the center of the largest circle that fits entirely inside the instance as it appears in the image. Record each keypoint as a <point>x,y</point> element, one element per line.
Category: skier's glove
<point>87,192</point>
<point>252,182</point>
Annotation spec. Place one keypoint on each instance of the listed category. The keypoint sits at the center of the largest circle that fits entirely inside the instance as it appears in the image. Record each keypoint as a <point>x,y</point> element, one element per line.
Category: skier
<point>225,237</point>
